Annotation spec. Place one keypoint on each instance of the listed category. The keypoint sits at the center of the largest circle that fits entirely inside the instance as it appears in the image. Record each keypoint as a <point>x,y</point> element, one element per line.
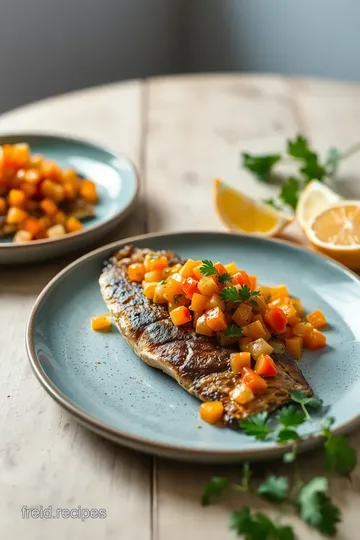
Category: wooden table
<point>180,132</point>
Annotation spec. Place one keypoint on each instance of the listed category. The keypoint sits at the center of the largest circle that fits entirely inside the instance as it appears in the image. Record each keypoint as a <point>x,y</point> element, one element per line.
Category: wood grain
<point>46,458</point>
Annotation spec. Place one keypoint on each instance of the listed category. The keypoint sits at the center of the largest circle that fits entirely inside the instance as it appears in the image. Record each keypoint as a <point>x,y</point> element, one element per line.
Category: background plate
<point>98,378</point>
<point>117,185</point>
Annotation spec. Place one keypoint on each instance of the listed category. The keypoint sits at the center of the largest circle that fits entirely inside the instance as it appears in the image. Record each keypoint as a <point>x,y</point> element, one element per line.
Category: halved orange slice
<point>336,232</point>
<point>242,214</point>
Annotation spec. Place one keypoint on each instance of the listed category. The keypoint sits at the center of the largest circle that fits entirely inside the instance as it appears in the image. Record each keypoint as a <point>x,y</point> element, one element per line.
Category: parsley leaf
<point>316,507</point>
<point>257,526</point>
<point>290,416</point>
<point>261,166</point>
<point>238,294</point>
<point>224,278</point>
<point>340,457</point>
<point>286,435</point>
<point>207,268</point>
<point>256,426</point>
<point>274,489</point>
<point>298,148</point>
<point>289,192</point>
<point>233,331</point>
<point>312,169</point>
<point>214,488</point>
<point>305,401</point>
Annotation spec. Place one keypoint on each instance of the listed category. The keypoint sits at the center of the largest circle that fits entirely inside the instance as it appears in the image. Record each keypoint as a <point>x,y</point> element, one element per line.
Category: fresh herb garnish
<point>208,269</point>
<point>238,294</point>
<point>256,426</point>
<point>233,331</point>
<point>308,163</point>
<point>214,488</point>
<point>312,499</point>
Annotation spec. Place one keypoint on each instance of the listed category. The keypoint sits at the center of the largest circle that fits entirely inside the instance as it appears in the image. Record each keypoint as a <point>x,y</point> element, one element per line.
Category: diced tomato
<point>265,366</point>
<point>276,320</point>
<point>254,381</point>
<point>241,278</point>
<point>189,287</point>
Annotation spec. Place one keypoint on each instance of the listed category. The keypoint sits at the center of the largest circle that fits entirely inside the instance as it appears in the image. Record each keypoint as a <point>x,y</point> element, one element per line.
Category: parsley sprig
<point>309,165</point>
<point>208,269</point>
<point>238,294</point>
<point>310,500</point>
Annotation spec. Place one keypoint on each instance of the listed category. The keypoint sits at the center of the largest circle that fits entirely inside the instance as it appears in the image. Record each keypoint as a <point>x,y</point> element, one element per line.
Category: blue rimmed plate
<point>117,184</point>
<point>100,380</point>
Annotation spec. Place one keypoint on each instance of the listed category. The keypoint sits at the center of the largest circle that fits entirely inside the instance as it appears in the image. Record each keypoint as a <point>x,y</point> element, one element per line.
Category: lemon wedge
<point>242,214</point>
<point>315,198</point>
<point>336,233</point>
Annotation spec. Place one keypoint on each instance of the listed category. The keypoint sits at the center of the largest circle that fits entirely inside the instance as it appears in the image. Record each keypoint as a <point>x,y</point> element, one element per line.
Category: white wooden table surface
<point>180,132</point>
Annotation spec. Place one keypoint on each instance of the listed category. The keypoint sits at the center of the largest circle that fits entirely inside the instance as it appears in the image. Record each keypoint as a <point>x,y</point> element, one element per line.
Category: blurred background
<point>50,47</point>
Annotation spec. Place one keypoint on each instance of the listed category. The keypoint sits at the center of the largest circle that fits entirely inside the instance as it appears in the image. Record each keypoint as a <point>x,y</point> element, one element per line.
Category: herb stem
<point>307,415</point>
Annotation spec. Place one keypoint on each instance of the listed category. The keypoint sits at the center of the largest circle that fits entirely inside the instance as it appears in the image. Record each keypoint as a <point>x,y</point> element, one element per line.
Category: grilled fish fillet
<point>198,363</point>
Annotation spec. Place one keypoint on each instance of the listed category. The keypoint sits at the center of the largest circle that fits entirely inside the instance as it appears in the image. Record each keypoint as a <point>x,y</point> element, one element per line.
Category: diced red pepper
<point>241,278</point>
<point>220,268</point>
<point>255,382</point>
<point>189,287</point>
<point>265,366</point>
<point>276,320</point>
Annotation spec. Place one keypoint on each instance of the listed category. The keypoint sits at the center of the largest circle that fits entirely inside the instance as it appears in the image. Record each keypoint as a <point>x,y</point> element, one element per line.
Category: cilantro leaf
<point>214,488</point>
<point>286,435</point>
<point>340,457</point>
<point>316,507</point>
<point>285,533</point>
<point>332,161</point>
<point>233,331</point>
<point>231,294</point>
<point>246,293</point>
<point>289,192</point>
<point>275,488</point>
<point>298,148</point>
<point>257,526</point>
<point>290,416</point>
<point>299,397</point>
<point>256,426</point>
<point>261,166</point>
<point>224,278</point>
<point>207,268</point>
<point>312,168</point>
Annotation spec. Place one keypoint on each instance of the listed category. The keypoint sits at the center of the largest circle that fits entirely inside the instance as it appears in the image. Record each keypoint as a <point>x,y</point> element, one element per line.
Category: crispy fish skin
<point>198,363</point>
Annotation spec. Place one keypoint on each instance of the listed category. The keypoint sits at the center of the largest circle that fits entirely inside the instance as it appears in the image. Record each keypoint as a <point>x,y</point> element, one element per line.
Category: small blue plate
<point>99,379</point>
<point>117,185</point>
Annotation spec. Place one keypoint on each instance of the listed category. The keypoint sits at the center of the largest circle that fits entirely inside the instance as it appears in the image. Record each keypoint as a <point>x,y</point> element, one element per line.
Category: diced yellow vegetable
<point>136,272</point>
<point>264,292</point>
<point>244,343</point>
<point>294,346</point>
<point>256,330</point>
<point>17,198</point>
<point>302,329</point>
<point>101,323</point>
<point>242,394</point>
<point>173,288</point>
<point>202,327</point>
<point>158,263</point>
<point>56,231</point>
<point>317,319</point>
<point>154,275</point>
<point>215,319</point>
<point>231,268</point>
<point>186,271</point>
<point>259,304</point>
<point>258,347</point>
<point>240,360</point>
<point>207,286</point>
<point>211,411</point>
<point>23,236</point>
<point>180,315</point>
<point>15,216</point>
<point>298,306</point>
<point>242,314</point>
<point>159,294</point>
<point>198,302</point>
<point>149,290</point>
<point>215,301</point>
<point>73,225</point>
<point>279,290</point>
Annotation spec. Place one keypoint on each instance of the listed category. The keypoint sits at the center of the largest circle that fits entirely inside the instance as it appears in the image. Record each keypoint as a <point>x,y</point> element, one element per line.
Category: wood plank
<point>46,458</point>
<point>197,127</point>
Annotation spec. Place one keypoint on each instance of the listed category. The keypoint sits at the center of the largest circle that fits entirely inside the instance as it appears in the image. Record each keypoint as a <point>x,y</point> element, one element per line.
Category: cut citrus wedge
<point>315,198</point>
<point>336,232</point>
<point>243,214</point>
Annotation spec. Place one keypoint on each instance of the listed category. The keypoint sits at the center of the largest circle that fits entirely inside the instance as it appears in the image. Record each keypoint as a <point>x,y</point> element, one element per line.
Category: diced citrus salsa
<point>223,302</point>
<point>38,199</point>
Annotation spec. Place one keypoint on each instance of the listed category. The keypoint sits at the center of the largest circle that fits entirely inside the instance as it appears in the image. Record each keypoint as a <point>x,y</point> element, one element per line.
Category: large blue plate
<point>99,379</point>
<point>117,185</point>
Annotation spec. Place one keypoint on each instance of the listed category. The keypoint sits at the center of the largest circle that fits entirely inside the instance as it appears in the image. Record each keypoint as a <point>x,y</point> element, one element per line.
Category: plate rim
<point>107,223</point>
<point>145,444</point>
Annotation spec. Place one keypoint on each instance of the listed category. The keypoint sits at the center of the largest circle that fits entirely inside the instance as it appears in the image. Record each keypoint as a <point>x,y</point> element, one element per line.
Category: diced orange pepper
<point>45,222</point>
<point>22,236</point>
<point>69,177</point>
<point>253,282</point>
<point>154,275</point>
<point>220,268</point>
<point>16,198</point>
<point>294,346</point>
<point>208,286</point>
<point>295,319</point>
<point>264,292</point>
<point>73,225</point>
<point>149,290</point>
<point>69,190</point>
<point>48,207</point>
<point>275,320</point>
<point>302,329</point>
<point>158,262</point>
<point>31,225</point>
<point>202,327</point>
<point>211,411</point>
<point>242,394</point>
<point>215,319</point>
<point>29,189</point>
<point>136,272</point>
<point>265,366</point>
<point>242,315</point>
<point>239,361</point>
<point>241,278</point>
<point>186,271</point>
<point>180,315</point>
<point>215,301</point>
<point>173,288</point>
<point>254,381</point>
<point>59,218</point>
<point>198,302</point>
<point>53,191</point>
<point>88,192</point>
<point>256,330</point>
<point>196,272</point>
<point>15,216</point>
<point>279,290</point>
<point>3,206</point>
<point>101,323</point>
<point>189,287</point>
<point>231,268</point>
<point>314,340</point>
<point>51,170</point>
<point>317,319</point>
